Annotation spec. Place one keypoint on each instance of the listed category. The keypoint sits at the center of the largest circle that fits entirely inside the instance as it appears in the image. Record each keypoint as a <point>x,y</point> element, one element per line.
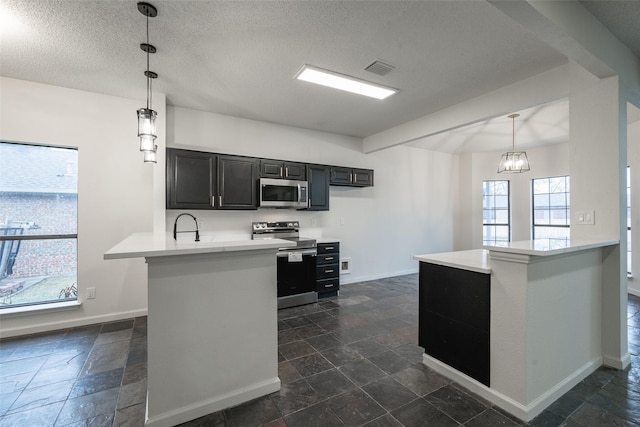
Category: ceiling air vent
<point>380,68</point>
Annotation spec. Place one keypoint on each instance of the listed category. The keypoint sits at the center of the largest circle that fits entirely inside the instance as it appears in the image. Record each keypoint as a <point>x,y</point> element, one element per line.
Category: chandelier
<point>147,116</point>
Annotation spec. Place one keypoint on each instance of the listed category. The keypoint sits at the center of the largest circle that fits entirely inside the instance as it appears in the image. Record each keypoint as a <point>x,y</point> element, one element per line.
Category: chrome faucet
<point>175,227</point>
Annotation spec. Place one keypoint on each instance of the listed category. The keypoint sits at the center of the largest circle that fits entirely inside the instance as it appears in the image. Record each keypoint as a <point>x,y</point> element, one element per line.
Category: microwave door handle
<point>299,193</point>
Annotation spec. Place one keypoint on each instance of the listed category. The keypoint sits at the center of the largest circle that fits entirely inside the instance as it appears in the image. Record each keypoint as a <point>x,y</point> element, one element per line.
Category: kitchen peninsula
<point>518,324</point>
<point>212,323</point>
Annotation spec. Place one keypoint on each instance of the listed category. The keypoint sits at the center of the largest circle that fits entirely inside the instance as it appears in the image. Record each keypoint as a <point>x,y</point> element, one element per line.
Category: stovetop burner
<point>287,230</point>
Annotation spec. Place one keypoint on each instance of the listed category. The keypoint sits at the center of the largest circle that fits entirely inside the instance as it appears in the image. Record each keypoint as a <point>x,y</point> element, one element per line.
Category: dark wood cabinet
<point>351,177</point>
<point>282,169</point>
<point>191,179</point>
<point>454,316</point>
<point>328,269</point>
<point>318,178</point>
<point>203,180</point>
<point>237,182</point>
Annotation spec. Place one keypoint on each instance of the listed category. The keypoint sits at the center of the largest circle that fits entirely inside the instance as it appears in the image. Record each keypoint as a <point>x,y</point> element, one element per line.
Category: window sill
<point>39,309</point>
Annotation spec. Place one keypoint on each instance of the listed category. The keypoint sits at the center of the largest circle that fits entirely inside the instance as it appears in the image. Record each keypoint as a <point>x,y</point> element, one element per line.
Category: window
<point>551,211</point>
<point>628,220</point>
<point>38,224</point>
<point>495,212</point>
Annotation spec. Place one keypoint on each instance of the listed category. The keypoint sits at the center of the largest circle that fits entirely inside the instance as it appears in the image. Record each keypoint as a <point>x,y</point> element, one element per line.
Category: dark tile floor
<point>346,361</point>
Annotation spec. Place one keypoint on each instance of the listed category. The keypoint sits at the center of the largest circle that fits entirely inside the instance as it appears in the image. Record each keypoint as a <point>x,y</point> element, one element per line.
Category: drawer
<point>328,285</point>
<point>328,271</point>
<point>327,259</point>
<point>328,248</point>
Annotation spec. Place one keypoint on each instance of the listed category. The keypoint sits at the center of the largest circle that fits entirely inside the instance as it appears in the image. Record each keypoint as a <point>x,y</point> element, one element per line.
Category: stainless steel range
<point>296,265</point>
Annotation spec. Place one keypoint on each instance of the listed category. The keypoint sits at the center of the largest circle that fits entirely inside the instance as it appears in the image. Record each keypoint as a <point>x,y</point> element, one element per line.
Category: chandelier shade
<point>514,161</point>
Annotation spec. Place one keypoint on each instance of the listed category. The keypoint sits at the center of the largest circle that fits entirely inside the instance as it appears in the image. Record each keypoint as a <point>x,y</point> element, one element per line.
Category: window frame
<point>60,302</point>
<point>567,206</point>
<point>494,224</point>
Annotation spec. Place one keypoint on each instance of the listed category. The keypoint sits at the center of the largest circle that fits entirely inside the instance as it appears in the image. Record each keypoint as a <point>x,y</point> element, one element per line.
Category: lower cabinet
<point>453,318</point>
<point>328,269</point>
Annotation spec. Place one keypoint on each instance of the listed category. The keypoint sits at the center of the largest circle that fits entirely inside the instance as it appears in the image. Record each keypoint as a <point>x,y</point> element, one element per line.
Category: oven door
<point>296,272</point>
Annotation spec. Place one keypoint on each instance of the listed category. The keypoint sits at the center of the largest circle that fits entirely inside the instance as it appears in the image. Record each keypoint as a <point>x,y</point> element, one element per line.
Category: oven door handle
<point>305,252</point>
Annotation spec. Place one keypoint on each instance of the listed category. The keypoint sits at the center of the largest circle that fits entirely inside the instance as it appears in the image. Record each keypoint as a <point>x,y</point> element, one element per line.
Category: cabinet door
<point>237,182</point>
<point>271,169</point>
<point>190,179</point>
<point>318,178</point>
<point>340,176</point>
<point>295,171</point>
<point>362,177</point>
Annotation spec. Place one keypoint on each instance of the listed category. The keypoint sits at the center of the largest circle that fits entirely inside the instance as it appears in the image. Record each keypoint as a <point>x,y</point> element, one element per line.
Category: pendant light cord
<point>513,133</point>
<point>147,74</point>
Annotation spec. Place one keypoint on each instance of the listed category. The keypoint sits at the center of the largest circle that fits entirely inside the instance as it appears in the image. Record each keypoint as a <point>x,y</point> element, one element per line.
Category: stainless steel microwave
<point>283,193</point>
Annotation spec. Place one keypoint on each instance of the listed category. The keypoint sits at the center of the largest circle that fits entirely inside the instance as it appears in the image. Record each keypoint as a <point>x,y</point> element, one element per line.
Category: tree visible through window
<point>38,224</point>
<point>495,212</point>
<point>551,210</point>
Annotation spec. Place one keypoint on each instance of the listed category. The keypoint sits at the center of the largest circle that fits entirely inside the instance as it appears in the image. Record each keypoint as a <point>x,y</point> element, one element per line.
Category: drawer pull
<point>328,286</point>
<point>328,248</point>
<point>328,271</point>
<point>329,258</point>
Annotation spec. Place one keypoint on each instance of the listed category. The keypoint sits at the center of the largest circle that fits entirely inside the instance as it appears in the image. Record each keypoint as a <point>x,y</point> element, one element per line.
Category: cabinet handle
<point>329,258</point>
<point>328,248</point>
<point>213,201</point>
<point>280,170</point>
<point>350,177</point>
<point>355,177</point>
<point>286,171</point>
<point>328,271</point>
<point>220,201</point>
<point>328,286</point>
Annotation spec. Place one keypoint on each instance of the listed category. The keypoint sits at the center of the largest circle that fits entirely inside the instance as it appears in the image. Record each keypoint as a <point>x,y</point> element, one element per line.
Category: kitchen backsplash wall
<point>409,210</point>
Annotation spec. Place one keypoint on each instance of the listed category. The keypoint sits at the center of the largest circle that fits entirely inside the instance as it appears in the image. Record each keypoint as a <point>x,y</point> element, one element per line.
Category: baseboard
<point>617,362</point>
<point>517,409</point>
<point>358,279</point>
<point>204,407</point>
<point>634,291</point>
<point>72,323</point>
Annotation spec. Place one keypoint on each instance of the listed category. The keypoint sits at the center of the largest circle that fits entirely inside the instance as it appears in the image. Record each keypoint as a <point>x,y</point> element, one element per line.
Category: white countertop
<point>156,245</point>
<point>474,260</point>
<point>327,240</point>
<point>547,247</point>
<point>478,259</point>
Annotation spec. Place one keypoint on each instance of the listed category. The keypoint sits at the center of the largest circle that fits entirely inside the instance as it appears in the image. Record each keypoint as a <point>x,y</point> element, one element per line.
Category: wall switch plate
<point>91,293</point>
<point>586,217</point>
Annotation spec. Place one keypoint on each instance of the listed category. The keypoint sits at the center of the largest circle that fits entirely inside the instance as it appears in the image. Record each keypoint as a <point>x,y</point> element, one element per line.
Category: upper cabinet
<point>351,177</point>
<point>202,180</point>
<point>318,178</point>
<point>191,179</point>
<point>281,169</point>
<point>237,182</point>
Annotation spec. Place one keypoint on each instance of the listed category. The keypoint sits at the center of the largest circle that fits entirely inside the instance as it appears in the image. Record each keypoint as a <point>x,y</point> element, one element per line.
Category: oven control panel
<point>278,226</point>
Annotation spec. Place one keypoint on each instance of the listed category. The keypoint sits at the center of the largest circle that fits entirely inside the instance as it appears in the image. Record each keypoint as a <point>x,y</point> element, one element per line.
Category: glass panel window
<point>496,213</point>
<point>38,224</point>
<point>551,208</point>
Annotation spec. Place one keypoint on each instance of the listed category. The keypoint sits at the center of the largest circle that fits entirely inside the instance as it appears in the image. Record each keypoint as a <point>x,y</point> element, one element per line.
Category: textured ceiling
<point>238,57</point>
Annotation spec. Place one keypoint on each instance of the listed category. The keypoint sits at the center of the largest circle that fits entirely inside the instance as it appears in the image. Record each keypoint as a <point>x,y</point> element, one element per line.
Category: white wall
<point>550,160</point>
<point>408,211</point>
<point>633,158</point>
<point>114,192</point>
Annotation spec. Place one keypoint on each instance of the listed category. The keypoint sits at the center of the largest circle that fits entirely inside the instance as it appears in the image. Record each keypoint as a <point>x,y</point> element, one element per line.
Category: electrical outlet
<point>91,293</point>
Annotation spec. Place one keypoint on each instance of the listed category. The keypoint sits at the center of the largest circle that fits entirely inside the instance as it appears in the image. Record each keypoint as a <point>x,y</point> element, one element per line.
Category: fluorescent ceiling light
<point>342,82</point>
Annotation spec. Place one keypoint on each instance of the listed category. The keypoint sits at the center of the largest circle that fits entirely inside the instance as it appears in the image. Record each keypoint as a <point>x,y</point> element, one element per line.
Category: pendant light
<point>514,161</point>
<point>147,116</point>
